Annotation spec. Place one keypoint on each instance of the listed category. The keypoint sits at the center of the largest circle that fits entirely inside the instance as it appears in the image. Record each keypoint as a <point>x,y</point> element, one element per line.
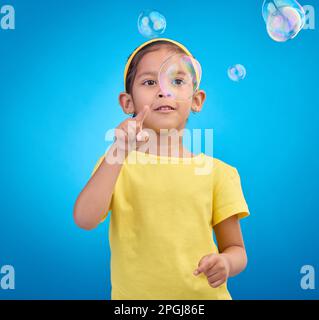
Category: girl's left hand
<point>216,268</point>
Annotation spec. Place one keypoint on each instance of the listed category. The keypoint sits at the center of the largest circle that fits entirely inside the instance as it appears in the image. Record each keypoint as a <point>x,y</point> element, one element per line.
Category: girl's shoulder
<point>221,168</point>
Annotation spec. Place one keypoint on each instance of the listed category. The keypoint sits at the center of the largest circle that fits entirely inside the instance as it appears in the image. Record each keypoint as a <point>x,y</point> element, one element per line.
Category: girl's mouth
<point>164,109</point>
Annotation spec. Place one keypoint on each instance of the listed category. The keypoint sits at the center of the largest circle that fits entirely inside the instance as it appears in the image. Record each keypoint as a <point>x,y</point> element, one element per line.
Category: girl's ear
<point>126,102</point>
<point>198,100</point>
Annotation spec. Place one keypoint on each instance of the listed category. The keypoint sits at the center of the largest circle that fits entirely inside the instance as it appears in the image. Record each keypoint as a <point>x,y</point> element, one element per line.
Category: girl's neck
<point>169,146</point>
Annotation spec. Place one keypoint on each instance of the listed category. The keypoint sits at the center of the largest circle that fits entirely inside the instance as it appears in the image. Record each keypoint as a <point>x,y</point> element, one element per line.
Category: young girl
<point>163,214</point>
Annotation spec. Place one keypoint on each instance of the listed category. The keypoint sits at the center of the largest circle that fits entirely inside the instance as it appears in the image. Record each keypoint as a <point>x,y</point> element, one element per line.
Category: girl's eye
<point>178,82</point>
<point>148,82</point>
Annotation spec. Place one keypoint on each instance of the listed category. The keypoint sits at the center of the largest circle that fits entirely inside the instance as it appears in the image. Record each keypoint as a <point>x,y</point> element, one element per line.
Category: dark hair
<point>131,73</point>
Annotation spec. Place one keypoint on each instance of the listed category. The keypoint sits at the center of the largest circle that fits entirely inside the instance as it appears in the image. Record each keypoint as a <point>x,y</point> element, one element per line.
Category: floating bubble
<point>179,76</point>
<point>284,18</point>
<point>271,6</point>
<point>151,23</point>
<point>236,72</point>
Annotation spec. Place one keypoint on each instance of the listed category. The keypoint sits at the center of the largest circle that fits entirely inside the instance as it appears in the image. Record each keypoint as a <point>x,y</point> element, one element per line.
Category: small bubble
<point>236,72</point>
<point>151,23</point>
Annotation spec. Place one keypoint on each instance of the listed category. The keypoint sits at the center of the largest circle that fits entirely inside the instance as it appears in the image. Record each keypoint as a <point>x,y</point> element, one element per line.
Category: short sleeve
<point>98,163</point>
<point>228,197</point>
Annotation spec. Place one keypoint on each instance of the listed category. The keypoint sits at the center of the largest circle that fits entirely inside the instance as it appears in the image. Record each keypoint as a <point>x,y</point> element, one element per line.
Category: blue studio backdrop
<point>61,70</point>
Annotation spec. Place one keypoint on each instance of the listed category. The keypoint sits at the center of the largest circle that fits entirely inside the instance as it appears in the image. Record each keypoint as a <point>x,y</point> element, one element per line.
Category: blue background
<point>60,75</point>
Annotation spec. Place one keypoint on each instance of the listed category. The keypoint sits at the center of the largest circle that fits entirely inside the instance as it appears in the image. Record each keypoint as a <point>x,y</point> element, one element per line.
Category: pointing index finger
<point>142,114</point>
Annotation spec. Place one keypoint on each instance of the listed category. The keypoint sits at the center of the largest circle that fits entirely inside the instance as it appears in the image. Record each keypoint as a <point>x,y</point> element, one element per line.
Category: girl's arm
<point>95,198</point>
<point>231,245</point>
<point>232,258</point>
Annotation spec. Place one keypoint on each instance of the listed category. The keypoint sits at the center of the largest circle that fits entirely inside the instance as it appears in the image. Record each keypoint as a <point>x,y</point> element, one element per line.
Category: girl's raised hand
<point>129,134</point>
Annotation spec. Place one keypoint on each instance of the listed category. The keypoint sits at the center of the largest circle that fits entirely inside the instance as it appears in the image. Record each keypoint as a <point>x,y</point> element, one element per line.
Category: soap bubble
<point>236,72</point>
<point>179,76</point>
<point>151,23</point>
<point>284,18</point>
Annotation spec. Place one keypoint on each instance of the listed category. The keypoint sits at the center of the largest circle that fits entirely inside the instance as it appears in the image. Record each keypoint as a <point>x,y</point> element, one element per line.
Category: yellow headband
<point>145,44</point>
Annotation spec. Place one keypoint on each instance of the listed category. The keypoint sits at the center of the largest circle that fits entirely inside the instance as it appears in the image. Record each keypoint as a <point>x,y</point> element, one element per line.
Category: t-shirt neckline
<point>166,157</point>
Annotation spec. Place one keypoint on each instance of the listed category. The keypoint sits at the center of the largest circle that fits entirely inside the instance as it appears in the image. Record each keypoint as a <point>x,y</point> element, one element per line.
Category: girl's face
<point>146,91</point>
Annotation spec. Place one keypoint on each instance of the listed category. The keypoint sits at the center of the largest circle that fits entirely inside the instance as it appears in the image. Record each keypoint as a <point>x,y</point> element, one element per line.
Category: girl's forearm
<point>237,259</point>
<point>95,198</point>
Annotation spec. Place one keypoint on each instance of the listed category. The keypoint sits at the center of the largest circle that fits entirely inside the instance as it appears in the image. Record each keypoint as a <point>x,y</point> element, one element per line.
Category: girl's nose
<point>161,94</point>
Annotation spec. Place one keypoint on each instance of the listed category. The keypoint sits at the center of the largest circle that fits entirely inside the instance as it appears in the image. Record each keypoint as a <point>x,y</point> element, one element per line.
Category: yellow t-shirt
<point>161,224</point>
